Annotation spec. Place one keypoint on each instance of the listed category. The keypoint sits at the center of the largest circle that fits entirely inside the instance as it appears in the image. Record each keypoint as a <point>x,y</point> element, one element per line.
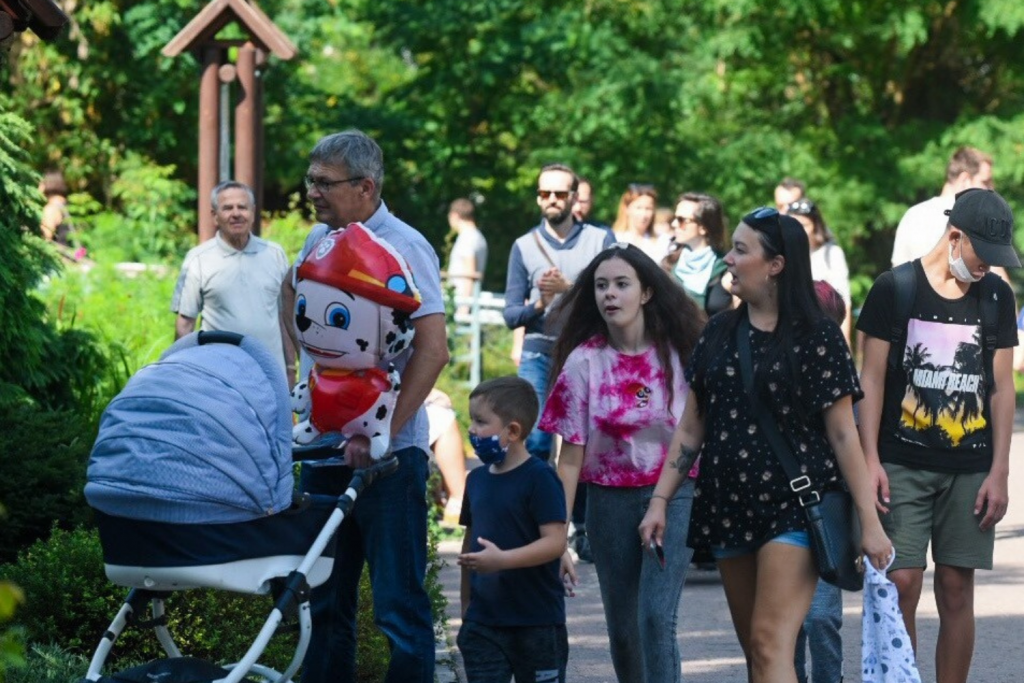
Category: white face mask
<point>958,268</point>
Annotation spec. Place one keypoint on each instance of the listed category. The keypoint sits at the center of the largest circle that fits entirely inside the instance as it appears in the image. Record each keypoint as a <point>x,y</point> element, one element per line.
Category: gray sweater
<point>527,263</point>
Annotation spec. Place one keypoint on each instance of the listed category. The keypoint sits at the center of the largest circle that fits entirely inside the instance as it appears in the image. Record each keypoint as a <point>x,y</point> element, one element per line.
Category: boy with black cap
<point>937,413</point>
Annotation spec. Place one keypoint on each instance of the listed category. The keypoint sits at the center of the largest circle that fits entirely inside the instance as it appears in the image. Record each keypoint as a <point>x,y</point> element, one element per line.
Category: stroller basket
<point>192,487</point>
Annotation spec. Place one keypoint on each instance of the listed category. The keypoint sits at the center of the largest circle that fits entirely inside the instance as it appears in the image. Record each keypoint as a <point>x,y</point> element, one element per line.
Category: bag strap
<point>799,483</point>
<point>905,286</point>
<point>988,308</point>
<point>543,251</point>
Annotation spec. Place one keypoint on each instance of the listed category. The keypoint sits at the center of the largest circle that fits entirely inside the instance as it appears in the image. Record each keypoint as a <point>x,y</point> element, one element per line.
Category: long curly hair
<point>672,321</point>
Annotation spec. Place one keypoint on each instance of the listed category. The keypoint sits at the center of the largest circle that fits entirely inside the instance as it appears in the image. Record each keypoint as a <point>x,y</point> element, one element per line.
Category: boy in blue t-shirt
<point>513,602</point>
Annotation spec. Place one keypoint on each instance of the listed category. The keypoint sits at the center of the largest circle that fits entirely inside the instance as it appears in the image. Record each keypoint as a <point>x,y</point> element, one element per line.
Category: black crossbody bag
<point>832,523</point>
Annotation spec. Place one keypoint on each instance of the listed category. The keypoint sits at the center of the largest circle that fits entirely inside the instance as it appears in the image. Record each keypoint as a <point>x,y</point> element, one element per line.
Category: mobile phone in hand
<point>658,552</point>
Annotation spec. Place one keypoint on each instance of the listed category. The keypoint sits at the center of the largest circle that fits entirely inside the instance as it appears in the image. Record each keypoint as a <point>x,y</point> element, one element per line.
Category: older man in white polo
<point>233,280</point>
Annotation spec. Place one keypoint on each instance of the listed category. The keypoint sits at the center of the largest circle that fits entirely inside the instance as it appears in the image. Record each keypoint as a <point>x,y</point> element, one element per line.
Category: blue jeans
<point>387,529</point>
<point>821,632</point>
<point>641,600</point>
<point>534,368</point>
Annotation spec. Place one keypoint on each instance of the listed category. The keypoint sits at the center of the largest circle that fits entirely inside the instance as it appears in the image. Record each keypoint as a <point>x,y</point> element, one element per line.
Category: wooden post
<point>201,37</point>
<point>245,122</point>
<point>209,143</point>
<point>258,171</point>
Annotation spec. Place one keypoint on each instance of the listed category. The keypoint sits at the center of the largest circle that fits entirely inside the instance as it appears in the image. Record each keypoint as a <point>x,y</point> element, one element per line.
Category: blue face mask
<point>488,448</point>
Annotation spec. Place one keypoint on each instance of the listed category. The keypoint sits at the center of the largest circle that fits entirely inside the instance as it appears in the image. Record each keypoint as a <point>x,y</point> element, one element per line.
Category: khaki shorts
<point>936,507</point>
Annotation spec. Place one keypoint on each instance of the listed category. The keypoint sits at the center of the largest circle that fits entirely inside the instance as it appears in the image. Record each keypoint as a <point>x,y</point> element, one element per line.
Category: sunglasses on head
<point>641,188</point>
<point>557,194</point>
<point>763,218</point>
<point>768,220</point>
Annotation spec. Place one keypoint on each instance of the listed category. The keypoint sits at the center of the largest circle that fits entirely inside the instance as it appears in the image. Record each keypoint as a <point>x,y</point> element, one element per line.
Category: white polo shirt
<point>234,290</point>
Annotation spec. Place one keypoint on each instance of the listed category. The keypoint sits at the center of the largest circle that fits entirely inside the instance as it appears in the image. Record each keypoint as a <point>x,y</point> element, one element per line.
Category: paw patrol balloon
<point>353,301</point>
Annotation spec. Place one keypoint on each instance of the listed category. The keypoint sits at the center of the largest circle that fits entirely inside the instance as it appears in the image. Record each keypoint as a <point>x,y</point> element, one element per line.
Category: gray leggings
<point>641,600</point>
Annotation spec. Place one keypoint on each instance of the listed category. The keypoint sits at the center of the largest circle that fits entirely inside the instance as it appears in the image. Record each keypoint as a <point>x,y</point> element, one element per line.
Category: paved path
<point>711,653</point>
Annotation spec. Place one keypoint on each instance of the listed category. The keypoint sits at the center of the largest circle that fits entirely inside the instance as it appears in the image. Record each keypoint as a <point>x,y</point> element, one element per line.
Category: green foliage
<point>718,96</point>
<point>129,313</point>
<point>41,474</point>
<point>69,602</point>
<point>287,228</point>
<point>49,664</point>
<point>51,367</point>
<point>12,640</point>
<point>151,220</point>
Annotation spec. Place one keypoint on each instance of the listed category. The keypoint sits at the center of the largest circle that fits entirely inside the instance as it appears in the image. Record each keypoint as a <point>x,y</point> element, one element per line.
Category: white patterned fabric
<point>886,652</point>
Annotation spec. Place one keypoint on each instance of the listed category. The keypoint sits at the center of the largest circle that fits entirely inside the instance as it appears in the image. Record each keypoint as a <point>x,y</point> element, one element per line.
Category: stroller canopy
<point>203,435</point>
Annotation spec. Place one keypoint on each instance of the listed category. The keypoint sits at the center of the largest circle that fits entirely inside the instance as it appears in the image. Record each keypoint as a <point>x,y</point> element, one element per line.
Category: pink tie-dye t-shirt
<point>616,406</point>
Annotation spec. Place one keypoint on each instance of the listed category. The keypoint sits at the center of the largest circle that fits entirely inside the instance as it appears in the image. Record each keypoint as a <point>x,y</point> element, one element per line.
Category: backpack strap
<point>988,308</point>
<point>905,287</point>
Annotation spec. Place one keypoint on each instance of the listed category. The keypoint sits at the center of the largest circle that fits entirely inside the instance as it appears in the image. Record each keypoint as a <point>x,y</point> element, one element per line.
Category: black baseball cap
<point>986,218</point>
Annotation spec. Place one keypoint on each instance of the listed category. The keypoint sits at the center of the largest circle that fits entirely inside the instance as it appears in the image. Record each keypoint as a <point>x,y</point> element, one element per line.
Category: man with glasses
<point>388,526</point>
<point>233,280</point>
<point>584,203</point>
<point>541,267</point>
<point>788,191</point>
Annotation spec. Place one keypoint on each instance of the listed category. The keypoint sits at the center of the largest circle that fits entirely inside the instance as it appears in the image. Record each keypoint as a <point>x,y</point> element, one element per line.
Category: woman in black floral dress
<point>743,507</point>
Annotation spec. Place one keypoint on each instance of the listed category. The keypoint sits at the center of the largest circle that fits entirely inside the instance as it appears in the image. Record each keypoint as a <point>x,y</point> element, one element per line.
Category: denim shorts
<point>798,538</point>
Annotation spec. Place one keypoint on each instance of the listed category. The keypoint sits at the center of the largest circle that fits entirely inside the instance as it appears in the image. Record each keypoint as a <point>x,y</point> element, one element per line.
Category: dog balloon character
<point>353,300</point>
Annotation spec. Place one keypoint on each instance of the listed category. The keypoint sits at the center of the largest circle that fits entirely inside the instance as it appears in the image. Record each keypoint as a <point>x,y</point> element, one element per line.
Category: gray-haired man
<point>234,279</point>
<point>388,526</point>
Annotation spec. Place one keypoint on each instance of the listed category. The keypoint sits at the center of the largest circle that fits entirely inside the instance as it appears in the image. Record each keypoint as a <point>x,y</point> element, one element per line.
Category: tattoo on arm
<point>687,456</point>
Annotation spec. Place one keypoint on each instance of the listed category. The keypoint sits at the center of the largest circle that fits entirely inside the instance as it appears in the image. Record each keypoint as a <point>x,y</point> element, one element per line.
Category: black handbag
<point>832,523</point>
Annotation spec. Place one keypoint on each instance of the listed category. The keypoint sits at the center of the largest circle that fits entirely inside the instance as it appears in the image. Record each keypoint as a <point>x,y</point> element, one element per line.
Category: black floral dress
<point>742,496</point>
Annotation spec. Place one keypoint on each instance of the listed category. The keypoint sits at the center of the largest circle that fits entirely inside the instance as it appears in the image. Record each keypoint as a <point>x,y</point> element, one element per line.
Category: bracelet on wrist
<point>655,495</point>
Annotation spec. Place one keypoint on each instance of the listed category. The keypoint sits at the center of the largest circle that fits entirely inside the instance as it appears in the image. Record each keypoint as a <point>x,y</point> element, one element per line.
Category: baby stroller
<point>191,482</point>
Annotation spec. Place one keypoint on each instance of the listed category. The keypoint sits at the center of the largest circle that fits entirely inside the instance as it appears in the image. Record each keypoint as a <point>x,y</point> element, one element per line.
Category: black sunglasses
<point>768,220</point>
<point>558,194</point>
<point>762,217</point>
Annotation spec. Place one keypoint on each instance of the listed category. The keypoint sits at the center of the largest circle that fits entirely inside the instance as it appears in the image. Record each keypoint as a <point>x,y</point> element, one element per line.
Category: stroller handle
<point>328,446</point>
<point>377,470</point>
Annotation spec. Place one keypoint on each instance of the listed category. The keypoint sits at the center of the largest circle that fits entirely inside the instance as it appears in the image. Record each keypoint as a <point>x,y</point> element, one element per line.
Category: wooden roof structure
<point>43,17</point>
<point>204,27</point>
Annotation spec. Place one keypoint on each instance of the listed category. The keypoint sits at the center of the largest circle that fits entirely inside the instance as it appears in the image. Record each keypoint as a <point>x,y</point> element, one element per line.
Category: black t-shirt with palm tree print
<point>935,415</point>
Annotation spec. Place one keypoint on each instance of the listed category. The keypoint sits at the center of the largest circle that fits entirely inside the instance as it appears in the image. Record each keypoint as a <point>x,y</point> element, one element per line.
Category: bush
<point>129,314</point>
<point>41,474</point>
<point>153,221</point>
<point>69,603</point>
<point>49,664</point>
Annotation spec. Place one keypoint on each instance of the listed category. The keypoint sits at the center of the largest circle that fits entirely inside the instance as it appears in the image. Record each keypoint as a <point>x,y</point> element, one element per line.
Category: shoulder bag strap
<point>799,483</point>
<point>543,251</point>
<point>988,306</point>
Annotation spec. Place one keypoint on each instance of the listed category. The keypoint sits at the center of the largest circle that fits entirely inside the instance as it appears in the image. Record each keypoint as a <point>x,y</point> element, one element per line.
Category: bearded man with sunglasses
<point>541,267</point>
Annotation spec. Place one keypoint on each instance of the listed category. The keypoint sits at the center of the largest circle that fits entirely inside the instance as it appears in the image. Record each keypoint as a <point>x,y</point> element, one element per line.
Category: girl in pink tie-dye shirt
<point>618,394</point>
